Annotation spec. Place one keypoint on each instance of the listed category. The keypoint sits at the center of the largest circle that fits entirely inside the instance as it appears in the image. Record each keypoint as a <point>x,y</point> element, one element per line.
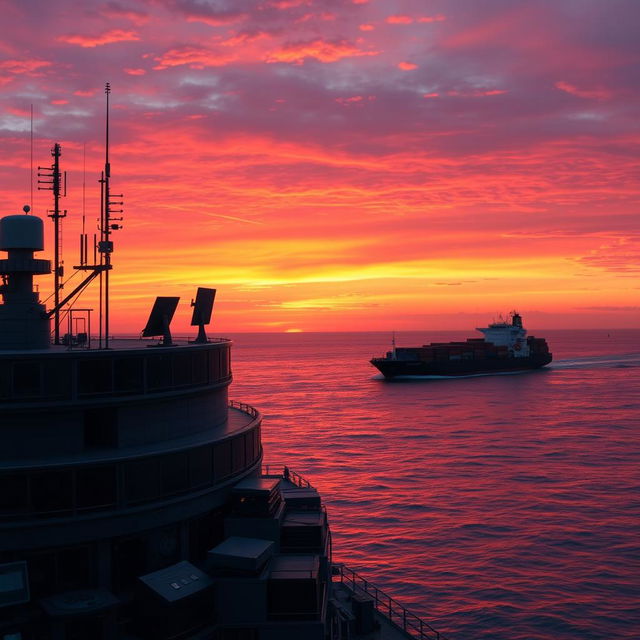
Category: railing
<point>387,606</point>
<point>284,471</point>
<point>247,408</point>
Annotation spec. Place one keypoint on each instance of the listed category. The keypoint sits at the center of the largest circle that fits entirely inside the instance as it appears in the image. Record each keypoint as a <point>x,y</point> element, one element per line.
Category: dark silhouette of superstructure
<point>133,499</point>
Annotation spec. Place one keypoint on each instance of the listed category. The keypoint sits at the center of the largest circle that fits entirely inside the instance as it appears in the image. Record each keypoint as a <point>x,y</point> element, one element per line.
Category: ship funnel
<point>23,320</point>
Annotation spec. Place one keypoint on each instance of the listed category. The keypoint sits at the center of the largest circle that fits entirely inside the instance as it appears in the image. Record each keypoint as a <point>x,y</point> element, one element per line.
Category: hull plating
<point>452,368</point>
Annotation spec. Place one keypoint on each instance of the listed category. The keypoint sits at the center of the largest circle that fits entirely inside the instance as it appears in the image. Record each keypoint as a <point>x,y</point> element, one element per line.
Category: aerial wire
<point>31,147</point>
<point>84,186</point>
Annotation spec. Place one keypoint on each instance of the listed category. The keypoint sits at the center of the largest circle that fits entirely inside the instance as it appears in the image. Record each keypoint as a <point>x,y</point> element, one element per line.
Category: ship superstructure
<point>134,503</point>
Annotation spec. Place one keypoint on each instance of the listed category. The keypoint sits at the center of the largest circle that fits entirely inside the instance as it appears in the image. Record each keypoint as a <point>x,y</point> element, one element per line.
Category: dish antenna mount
<point>202,308</point>
<point>160,318</point>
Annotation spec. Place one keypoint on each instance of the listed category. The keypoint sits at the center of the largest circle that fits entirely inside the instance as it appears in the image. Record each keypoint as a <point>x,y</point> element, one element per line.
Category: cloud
<point>610,308</point>
<point>287,4</point>
<point>28,67</point>
<point>399,19</point>
<point>358,101</point>
<point>209,13</point>
<point>621,256</point>
<point>326,51</point>
<point>593,94</point>
<point>437,18</point>
<point>407,66</point>
<point>193,57</point>
<point>329,167</point>
<point>475,93</point>
<point>116,10</point>
<point>109,37</point>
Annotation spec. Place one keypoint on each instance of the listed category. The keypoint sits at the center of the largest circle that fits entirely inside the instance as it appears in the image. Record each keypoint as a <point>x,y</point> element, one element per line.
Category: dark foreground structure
<point>133,499</point>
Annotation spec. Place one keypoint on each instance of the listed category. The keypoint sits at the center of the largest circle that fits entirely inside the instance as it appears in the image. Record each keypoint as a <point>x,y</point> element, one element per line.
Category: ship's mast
<point>107,224</point>
<point>102,244</point>
<point>55,184</point>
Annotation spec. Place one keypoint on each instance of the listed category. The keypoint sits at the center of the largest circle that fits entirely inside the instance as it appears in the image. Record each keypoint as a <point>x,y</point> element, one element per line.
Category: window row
<point>66,378</point>
<point>58,493</point>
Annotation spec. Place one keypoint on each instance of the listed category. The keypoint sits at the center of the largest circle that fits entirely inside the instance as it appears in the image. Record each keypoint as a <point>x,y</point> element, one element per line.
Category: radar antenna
<point>202,307</point>
<point>160,319</point>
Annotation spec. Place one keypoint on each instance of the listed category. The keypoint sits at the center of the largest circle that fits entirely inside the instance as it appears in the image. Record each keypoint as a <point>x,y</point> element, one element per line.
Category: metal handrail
<point>283,471</point>
<point>243,406</point>
<point>387,606</point>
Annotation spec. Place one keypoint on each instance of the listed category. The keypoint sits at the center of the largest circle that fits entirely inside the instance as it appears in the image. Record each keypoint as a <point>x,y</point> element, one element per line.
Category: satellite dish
<point>160,318</point>
<point>202,308</point>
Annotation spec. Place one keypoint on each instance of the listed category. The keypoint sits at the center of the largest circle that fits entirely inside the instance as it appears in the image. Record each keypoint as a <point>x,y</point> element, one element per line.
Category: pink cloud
<point>353,101</point>
<point>109,37</point>
<point>407,66</point>
<point>321,50</point>
<point>115,10</point>
<point>287,4</point>
<point>399,19</point>
<point>219,19</point>
<point>135,72</point>
<point>243,39</point>
<point>366,27</point>
<point>193,57</point>
<point>476,93</point>
<point>436,18</point>
<point>594,94</point>
<point>23,66</point>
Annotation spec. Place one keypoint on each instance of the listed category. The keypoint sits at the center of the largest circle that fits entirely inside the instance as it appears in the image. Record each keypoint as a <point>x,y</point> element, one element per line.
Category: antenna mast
<point>101,244</point>
<point>31,144</point>
<point>107,224</point>
<point>54,183</point>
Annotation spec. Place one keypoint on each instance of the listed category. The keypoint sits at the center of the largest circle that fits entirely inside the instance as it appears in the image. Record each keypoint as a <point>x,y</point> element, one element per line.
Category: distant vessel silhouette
<point>505,348</point>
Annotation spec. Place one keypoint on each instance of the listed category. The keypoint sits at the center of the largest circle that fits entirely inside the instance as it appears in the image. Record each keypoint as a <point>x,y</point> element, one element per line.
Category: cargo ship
<point>505,348</point>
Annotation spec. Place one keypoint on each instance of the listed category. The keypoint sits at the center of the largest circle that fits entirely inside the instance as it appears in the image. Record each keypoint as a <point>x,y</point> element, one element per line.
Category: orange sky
<point>341,165</point>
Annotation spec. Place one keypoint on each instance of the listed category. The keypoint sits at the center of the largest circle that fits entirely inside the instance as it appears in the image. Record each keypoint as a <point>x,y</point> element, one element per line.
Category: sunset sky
<point>341,164</point>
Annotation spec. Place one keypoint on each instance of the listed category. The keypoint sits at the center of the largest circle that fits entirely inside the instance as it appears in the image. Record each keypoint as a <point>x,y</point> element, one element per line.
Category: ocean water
<point>503,507</point>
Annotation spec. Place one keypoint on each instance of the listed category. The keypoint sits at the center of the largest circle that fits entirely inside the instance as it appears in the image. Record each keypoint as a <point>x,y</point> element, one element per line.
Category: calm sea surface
<point>502,507</point>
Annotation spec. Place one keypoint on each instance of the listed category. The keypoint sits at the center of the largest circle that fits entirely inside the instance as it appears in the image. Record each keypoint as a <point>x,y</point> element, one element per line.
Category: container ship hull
<point>398,368</point>
<point>505,348</point>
